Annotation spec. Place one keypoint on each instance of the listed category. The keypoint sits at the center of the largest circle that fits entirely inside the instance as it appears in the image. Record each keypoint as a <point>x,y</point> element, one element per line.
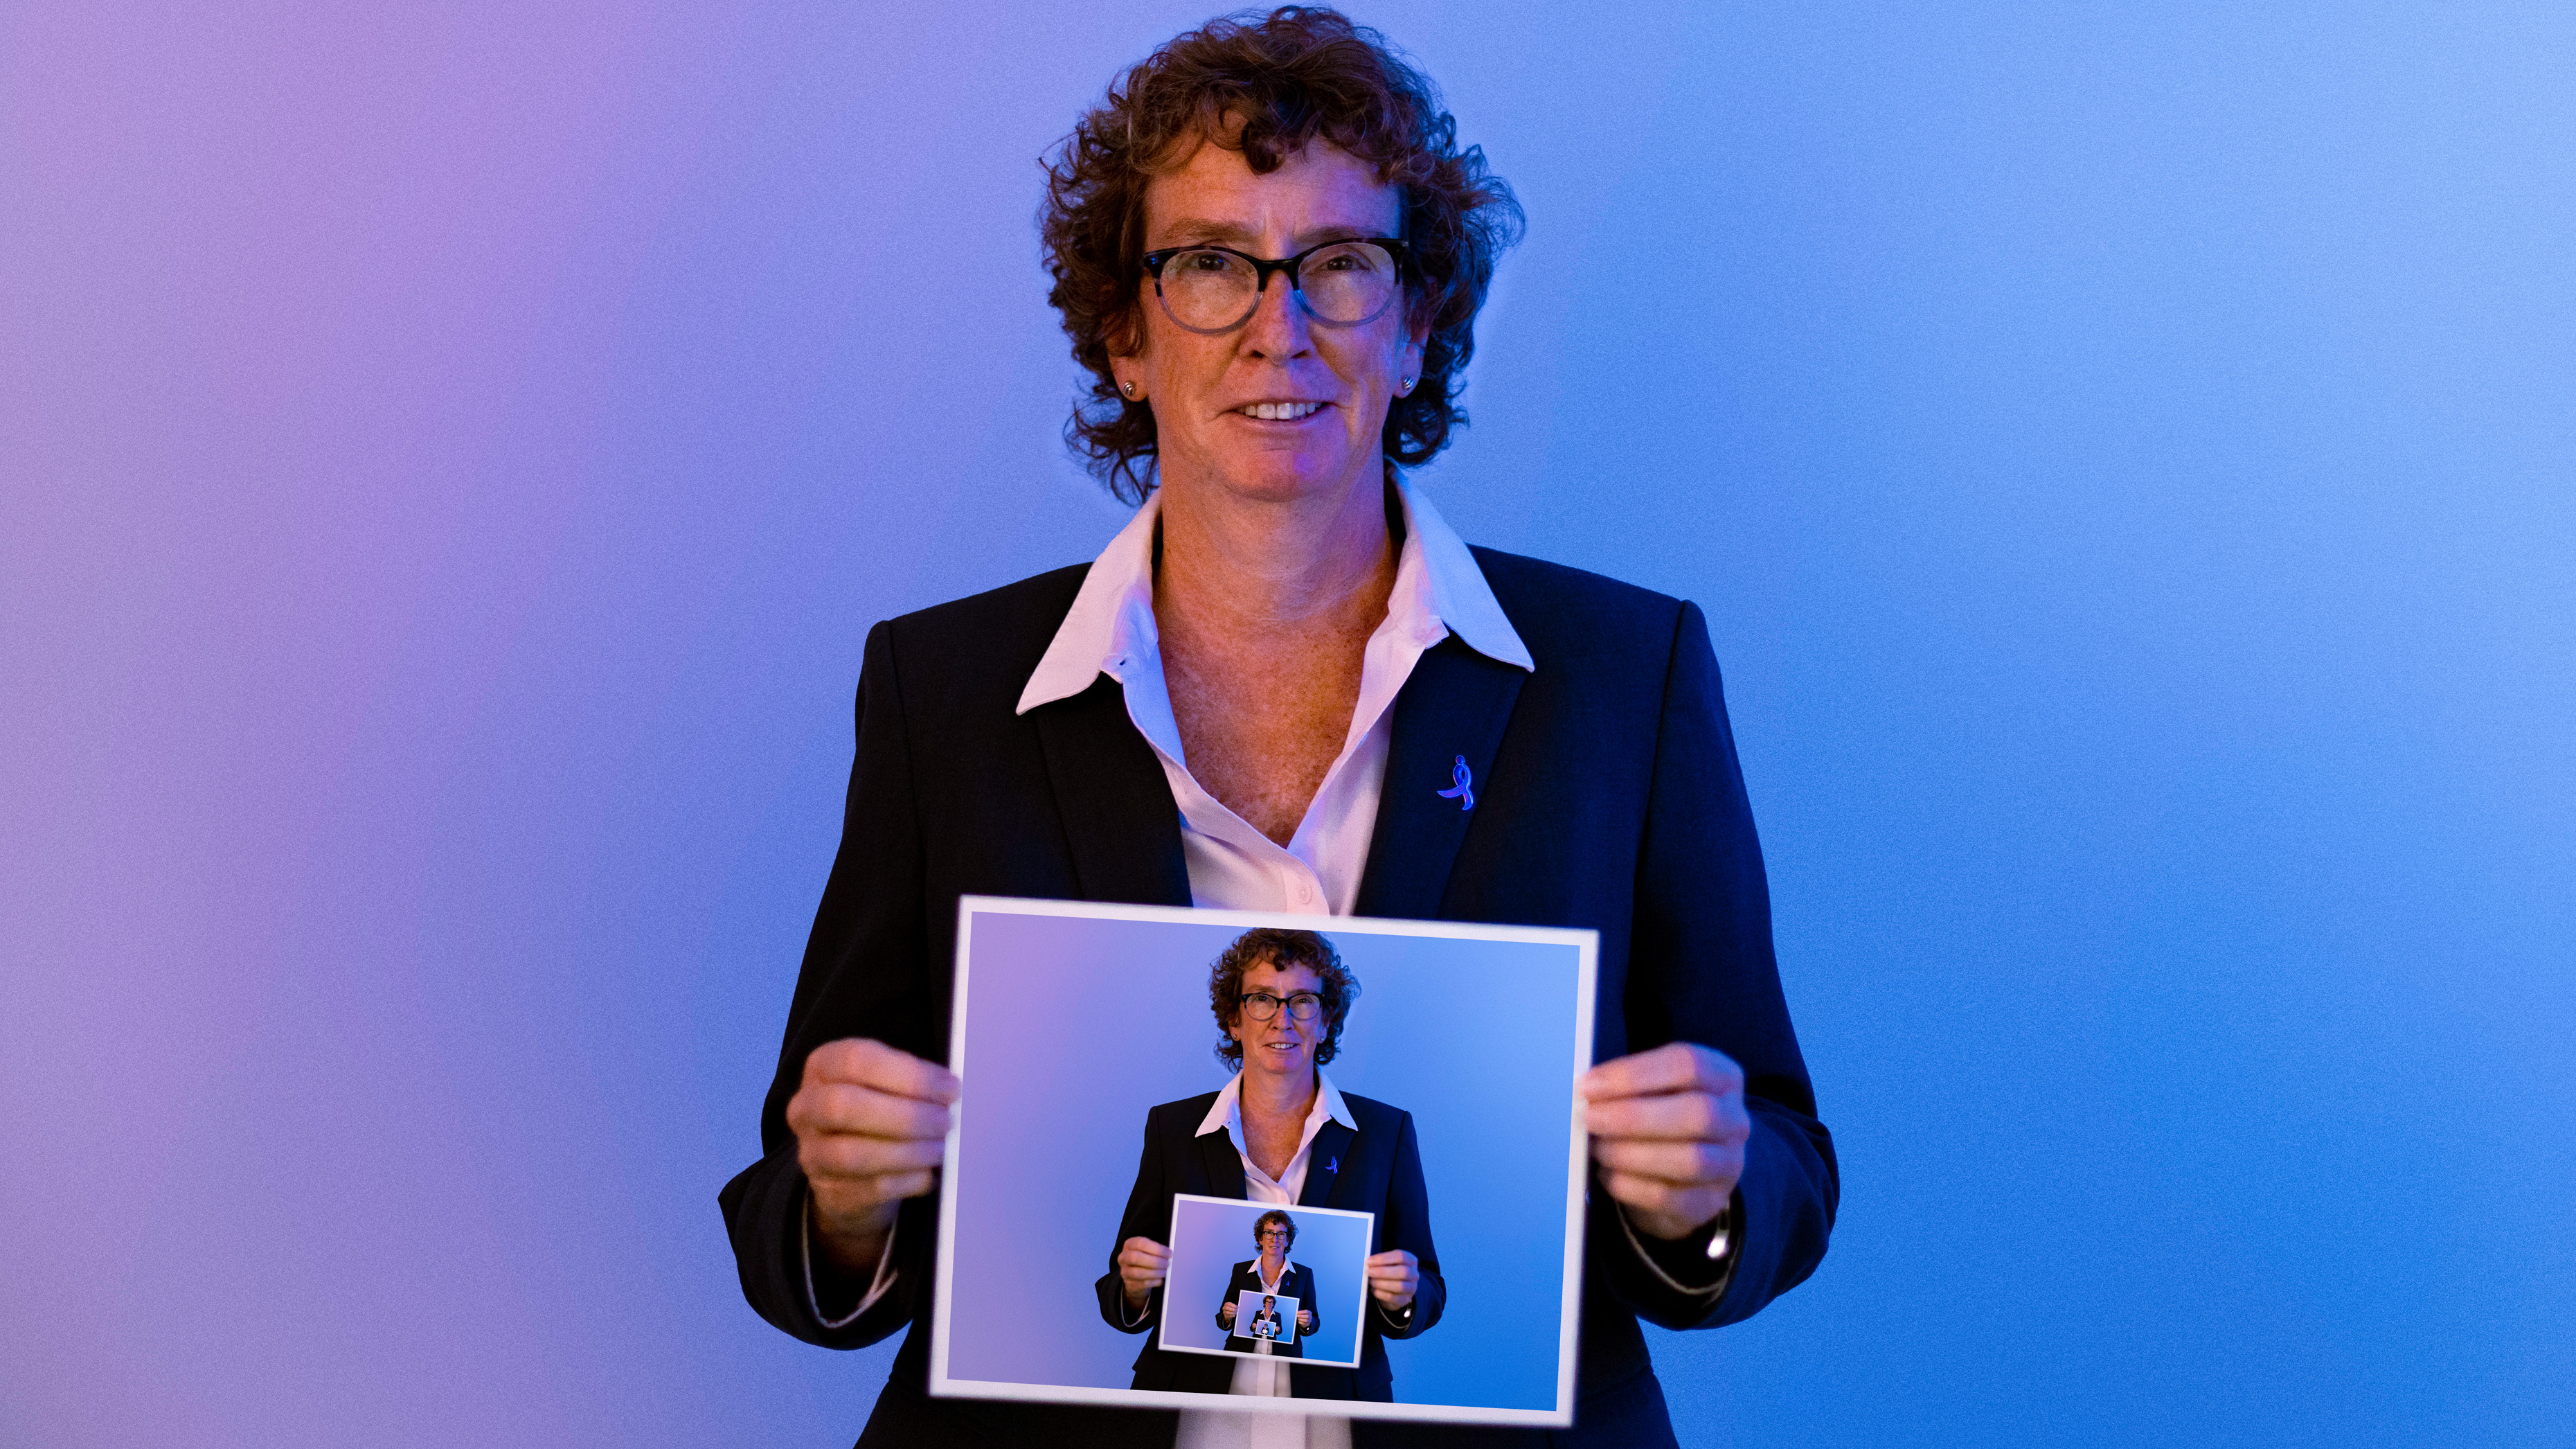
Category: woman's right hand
<point>871,1124</point>
<point>1225,1313</point>
<point>1142,1262</point>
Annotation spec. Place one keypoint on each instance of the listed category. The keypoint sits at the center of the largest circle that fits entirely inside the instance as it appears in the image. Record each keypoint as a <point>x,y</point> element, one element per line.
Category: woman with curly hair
<point>1271,1273</point>
<point>1288,685</point>
<point>1279,1133</point>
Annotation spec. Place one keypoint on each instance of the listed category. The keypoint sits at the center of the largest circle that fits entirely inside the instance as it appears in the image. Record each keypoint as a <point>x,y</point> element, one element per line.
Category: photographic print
<point>1253,1161</point>
<point>1272,1318</point>
<point>1262,1277</point>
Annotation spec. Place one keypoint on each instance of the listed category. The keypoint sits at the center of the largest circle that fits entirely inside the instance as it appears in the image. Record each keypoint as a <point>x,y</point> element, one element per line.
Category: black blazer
<point>1607,796</point>
<point>1297,1283</point>
<point>1377,1169</point>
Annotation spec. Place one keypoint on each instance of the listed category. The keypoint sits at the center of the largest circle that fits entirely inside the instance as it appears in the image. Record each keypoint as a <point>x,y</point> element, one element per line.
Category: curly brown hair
<point>1274,1216</point>
<point>1282,949</point>
<point>1291,76</point>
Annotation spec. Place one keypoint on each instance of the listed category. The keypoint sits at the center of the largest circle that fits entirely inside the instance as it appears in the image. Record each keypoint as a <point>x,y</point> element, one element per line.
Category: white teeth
<point>1279,412</point>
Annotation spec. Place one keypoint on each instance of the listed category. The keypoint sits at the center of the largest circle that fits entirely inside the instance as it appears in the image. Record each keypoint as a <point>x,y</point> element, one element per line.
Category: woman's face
<point>1274,1244</point>
<point>1282,1046</point>
<point>1201,387</point>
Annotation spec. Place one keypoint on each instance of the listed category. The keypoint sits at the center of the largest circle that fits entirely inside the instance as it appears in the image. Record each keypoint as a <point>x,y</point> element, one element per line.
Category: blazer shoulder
<point>1181,1118</point>
<point>1373,1115</point>
<point>1568,615</point>
<point>1015,619</point>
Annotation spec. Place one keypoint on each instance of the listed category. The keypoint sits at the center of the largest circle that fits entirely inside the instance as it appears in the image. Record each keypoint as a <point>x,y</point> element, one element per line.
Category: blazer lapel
<point>1119,819</point>
<point>1223,1163</point>
<point>1449,722</point>
<point>1324,1164</point>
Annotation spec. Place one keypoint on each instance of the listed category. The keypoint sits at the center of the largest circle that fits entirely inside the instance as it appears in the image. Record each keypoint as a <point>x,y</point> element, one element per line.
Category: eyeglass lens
<point>1346,284</point>
<point>1262,1006</point>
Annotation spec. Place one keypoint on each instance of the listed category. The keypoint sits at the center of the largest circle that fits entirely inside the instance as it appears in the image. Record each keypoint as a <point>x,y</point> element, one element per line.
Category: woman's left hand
<point>1668,1128</point>
<point>1392,1278</point>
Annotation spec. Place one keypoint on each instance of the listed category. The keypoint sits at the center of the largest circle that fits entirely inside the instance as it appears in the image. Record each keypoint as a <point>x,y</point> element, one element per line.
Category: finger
<point>1680,1162</point>
<point>874,1064</point>
<point>1695,1204</point>
<point>1673,1067</point>
<point>844,1107</point>
<point>843,1197</point>
<point>1678,1116</point>
<point>835,1156</point>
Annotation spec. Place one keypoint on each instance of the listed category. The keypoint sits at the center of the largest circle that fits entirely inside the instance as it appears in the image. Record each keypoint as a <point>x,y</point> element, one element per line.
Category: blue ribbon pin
<point>1464,791</point>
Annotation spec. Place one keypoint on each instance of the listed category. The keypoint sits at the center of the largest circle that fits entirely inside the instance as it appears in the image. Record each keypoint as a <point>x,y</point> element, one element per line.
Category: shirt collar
<point>1438,588</point>
<point>1227,1111</point>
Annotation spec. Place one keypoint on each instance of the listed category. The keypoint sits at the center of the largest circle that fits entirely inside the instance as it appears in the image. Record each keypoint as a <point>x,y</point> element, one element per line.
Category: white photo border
<point>1357,1340</point>
<point>1570,1299</point>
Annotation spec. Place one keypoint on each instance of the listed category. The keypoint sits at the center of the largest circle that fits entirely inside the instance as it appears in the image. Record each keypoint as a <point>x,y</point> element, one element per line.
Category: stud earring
<point>1407,388</point>
<point>1128,388</point>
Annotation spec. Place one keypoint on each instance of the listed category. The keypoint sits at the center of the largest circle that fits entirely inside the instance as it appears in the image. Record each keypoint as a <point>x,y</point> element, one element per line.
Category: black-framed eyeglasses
<point>1211,289</point>
<point>1262,1006</point>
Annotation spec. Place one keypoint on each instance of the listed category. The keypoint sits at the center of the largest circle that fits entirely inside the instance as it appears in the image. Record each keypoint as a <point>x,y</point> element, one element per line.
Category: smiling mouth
<point>1280,412</point>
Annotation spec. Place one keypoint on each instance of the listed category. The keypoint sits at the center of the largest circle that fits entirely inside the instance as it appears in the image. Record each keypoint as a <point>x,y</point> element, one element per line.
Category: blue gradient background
<point>450,455</point>
<point>1077,1026</point>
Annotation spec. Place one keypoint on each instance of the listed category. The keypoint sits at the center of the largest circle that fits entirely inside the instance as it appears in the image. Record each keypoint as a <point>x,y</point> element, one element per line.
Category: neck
<point>1279,569</point>
<point>1267,1096</point>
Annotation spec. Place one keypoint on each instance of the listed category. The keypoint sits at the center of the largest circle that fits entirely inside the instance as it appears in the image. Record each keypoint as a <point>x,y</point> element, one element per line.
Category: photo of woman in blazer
<point>1279,1133</point>
<point>1273,1276</point>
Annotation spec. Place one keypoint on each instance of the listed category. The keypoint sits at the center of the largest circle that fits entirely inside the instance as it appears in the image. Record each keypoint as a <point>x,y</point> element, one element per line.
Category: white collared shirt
<point>1110,630</point>
<point>1226,1114</point>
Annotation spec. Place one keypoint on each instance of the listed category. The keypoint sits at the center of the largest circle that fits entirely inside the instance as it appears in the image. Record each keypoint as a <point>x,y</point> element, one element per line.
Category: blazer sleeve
<point>1149,1210</point>
<point>863,975</point>
<point>1406,1224</point>
<point>1702,970</point>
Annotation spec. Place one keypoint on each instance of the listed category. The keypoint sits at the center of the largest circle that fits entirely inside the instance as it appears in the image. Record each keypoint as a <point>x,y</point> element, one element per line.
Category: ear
<point>1124,333</point>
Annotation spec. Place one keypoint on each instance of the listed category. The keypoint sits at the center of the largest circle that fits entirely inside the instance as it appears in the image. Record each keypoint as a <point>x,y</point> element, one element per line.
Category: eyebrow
<point>1190,229</point>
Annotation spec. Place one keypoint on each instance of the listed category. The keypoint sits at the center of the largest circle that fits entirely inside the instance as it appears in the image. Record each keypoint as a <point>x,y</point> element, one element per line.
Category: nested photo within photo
<point>1255,1162</point>
<point>1267,1282</point>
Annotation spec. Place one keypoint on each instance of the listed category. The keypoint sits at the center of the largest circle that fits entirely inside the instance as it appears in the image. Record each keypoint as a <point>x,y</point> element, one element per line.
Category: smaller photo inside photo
<point>1271,1315</point>
<point>1261,1280</point>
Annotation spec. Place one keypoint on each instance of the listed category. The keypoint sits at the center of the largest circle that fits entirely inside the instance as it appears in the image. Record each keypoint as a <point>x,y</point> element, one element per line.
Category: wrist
<point>1670,1227</point>
<point>853,1241</point>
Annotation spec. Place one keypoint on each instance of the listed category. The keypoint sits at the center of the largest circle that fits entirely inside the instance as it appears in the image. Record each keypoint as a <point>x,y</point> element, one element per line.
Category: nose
<point>1277,329</point>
